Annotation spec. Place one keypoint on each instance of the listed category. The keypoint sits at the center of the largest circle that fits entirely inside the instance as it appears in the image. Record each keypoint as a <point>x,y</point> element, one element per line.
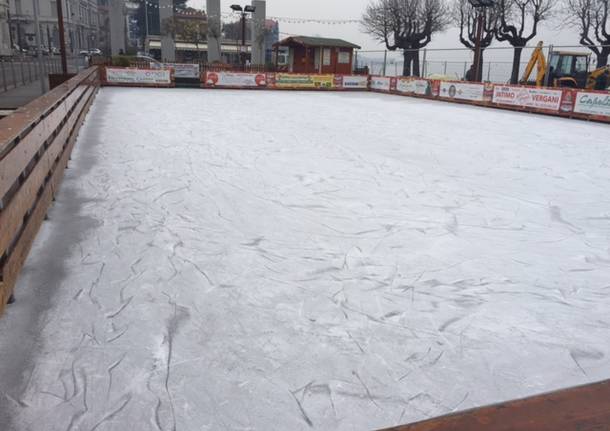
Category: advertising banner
<point>293,80</point>
<point>360,82</point>
<point>138,76</point>
<point>413,86</point>
<point>592,103</point>
<point>232,79</point>
<point>540,98</point>
<point>380,83</point>
<point>181,70</point>
<point>462,91</point>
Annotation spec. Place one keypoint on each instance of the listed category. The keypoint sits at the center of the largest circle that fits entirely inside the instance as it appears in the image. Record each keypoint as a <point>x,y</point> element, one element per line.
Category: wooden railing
<point>584,408</point>
<point>35,145</point>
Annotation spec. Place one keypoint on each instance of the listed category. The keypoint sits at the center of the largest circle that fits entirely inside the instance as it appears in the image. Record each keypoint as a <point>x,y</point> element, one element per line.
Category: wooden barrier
<point>35,145</point>
<point>584,408</point>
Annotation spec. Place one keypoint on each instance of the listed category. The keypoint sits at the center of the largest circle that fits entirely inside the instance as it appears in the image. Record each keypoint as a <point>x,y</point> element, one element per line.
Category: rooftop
<point>317,41</point>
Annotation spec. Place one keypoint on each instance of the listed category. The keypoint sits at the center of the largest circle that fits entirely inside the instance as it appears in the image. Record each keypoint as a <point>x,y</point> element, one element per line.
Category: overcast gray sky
<point>353,9</point>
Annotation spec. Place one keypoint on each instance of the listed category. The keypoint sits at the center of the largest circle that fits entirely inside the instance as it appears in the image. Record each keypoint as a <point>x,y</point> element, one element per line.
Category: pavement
<point>13,98</point>
<point>20,96</point>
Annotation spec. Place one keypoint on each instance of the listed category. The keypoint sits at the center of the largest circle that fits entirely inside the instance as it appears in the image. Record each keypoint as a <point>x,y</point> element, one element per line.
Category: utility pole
<point>43,86</point>
<point>62,36</point>
<point>146,24</point>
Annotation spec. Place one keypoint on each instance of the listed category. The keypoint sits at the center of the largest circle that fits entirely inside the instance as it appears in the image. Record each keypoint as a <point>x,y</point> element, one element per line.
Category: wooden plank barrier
<point>583,408</point>
<point>35,146</point>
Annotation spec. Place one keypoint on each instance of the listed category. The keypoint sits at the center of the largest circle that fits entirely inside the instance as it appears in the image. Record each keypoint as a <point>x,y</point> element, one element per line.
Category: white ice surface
<point>226,260</point>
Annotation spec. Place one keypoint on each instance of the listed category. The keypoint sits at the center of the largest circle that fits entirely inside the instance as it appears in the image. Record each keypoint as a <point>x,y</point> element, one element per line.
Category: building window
<point>18,10</point>
<point>343,57</point>
<point>326,57</point>
<point>54,9</point>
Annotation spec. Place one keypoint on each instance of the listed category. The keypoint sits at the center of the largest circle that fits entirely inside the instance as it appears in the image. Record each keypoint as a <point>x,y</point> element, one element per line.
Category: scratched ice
<point>222,260</point>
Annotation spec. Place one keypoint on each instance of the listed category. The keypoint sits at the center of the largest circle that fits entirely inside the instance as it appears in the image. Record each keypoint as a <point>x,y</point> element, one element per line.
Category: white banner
<point>230,79</point>
<point>592,103</point>
<point>356,81</point>
<point>462,91</point>
<point>137,76</point>
<point>526,96</point>
<point>380,83</point>
<point>413,86</point>
<point>181,70</point>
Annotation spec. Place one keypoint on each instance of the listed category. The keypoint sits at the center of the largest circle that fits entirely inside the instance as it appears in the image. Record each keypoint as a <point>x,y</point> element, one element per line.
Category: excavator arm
<point>539,60</point>
<point>596,74</point>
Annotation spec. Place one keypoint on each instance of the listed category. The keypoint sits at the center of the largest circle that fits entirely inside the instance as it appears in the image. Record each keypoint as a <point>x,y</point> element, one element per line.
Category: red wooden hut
<point>317,54</point>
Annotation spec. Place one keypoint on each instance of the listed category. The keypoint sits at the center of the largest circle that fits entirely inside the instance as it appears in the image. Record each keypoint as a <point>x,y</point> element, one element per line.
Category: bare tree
<point>590,17</point>
<point>466,18</point>
<point>519,20</point>
<point>407,25</point>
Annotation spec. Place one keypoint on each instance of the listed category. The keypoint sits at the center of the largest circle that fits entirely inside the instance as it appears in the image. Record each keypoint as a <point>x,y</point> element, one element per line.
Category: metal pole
<point>43,87</point>
<point>243,39</point>
<point>385,61</point>
<point>3,75</point>
<point>14,75</point>
<point>22,72</point>
<point>425,68</point>
<point>146,23</point>
<point>465,69</point>
<point>477,48</point>
<point>489,72</point>
<point>445,69</point>
<point>547,74</point>
<point>62,36</point>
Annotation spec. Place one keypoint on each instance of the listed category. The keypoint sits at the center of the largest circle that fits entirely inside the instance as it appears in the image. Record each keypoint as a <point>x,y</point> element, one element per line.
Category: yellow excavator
<point>566,69</point>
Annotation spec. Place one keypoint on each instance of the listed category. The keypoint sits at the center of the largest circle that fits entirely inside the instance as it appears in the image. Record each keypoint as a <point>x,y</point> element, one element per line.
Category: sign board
<point>291,80</point>
<point>233,79</point>
<point>462,91</point>
<point>380,83</point>
<point>413,86</point>
<point>360,82</point>
<point>138,76</point>
<point>540,98</point>
<point>181,70</point>
<point>592,103</point>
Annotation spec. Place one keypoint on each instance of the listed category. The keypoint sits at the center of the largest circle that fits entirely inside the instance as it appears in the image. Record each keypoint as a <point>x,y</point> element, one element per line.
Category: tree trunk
<point>602,58</point>
<point>481,63</point>
<point>406,67</point>
<point>415,54</point>
<point>514,77</point>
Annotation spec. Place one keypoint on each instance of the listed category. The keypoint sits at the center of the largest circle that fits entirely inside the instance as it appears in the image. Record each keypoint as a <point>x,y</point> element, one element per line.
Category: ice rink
<point>243,260</point>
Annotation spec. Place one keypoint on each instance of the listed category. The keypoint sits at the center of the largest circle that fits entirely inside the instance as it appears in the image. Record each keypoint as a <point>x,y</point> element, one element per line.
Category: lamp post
<point>480,6</point>
<point>243,12</point>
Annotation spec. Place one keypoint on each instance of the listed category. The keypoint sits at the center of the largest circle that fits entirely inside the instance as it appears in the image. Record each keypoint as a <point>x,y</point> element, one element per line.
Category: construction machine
<point>565,69</point>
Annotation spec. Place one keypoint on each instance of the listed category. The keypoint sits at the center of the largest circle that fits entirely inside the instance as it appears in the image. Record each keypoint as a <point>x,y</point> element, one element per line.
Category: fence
<point>16,72</point>
<point>35,145</point>
<point>454,62</point>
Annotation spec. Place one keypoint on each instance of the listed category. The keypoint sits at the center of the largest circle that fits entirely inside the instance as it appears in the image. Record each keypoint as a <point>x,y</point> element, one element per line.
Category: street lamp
<point>480,6</point>
<point>243,11</point>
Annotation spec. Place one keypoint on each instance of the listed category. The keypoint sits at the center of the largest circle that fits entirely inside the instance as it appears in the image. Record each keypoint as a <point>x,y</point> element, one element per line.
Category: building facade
<point>81,23</point>
<point>5,36</point>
